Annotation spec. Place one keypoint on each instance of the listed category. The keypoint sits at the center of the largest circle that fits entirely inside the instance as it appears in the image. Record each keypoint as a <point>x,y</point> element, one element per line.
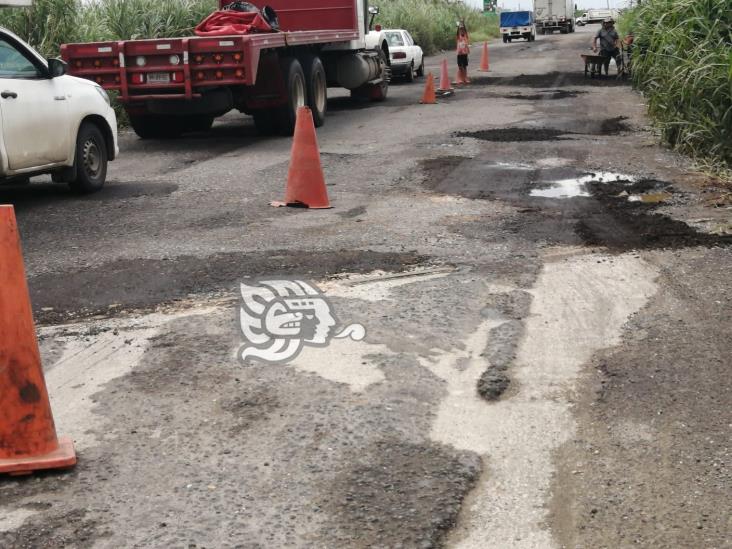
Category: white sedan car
<point>50,122</point>
<point>406,56</point>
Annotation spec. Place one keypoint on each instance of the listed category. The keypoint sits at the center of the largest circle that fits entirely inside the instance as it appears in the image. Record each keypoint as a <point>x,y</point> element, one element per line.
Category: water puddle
<point>577,187</point>
<point>650,198</point>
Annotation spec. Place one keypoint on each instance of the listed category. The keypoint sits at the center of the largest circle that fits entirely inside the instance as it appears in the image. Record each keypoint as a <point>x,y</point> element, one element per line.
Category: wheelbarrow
<point>595,63</point>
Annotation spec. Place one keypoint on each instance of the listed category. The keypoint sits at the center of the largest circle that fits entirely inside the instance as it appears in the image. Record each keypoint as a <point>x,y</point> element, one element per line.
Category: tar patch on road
<point>516,134</point>
<point>605,126</point>
<point>543,95</point>
<point>550,80</point>
<point>604,217</point>
<point>144,283</point>
<point>621,225</point>
<point>399,494</point>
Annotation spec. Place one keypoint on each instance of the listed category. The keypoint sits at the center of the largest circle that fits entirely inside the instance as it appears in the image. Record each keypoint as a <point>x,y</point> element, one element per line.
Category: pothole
<point>548,80</point>
<point>577,187</point>
<point>604,126</point>
<point>516,134</point>
<point>142,284</point>
<point>540,96</point>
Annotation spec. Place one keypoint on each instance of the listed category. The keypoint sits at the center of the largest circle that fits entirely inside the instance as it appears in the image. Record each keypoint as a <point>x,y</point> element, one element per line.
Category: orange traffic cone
<point>460,77</point>
<point>305,181</point>
<point>485,58</point>
<point>28,439</point>
<point>429,91</point>
<point>445,88</point>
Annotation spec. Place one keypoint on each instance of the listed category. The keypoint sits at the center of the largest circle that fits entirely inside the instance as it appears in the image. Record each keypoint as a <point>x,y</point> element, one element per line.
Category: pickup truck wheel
<point>420,70</point>
<point>294,78</point>
<point>91,159</point>
<point>505,39</point>
<point>316,87</point>
<point>410,73</point>
<point>157,127</point>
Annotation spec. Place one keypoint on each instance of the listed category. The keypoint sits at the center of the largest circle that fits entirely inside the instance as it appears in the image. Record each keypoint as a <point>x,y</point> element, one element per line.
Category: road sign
<point>489,6</point>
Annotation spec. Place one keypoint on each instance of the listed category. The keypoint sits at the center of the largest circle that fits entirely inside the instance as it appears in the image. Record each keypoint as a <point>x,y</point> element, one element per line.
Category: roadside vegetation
<point>432,23</point>
<point>49,23</point>
<point>683,64</point>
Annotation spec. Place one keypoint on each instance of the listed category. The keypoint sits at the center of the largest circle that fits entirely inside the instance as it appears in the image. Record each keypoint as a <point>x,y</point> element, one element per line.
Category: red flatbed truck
<point>172,85</point>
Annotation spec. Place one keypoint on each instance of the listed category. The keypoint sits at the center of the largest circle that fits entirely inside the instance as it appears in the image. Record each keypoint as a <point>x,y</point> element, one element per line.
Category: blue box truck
<point>518,24</point>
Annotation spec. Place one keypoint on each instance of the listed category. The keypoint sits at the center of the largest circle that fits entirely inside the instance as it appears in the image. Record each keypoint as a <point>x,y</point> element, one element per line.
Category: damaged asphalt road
<point>546,300</point>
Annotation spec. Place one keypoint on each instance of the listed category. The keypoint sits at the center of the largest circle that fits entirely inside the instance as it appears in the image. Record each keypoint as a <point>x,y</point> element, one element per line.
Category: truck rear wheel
<point>295,89</point>
<point>316,87</point>
<point>149,126</point>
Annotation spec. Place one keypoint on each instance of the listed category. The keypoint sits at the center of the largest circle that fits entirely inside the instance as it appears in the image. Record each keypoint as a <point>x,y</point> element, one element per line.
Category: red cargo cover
<point>228,22</point>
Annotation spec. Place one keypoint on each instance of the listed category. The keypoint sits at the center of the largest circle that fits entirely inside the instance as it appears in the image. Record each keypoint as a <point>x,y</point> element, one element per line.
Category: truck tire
<point>148,126</point>
<point>505,39</point>
<point>90,161</point>
<point>295,89</point>
<point>316,85</point>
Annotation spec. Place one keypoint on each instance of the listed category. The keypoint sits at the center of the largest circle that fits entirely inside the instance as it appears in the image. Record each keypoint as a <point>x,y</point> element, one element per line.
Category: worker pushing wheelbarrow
<point>608,49</point>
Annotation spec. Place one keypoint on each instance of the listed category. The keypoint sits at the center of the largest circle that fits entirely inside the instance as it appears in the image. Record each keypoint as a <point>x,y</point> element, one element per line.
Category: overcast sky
<point>527,4</point>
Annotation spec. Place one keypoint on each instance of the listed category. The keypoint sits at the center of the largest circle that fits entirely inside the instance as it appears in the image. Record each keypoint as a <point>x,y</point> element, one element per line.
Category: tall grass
<point>432,22</point>
<point>49,23</point>
<point>683,64</point>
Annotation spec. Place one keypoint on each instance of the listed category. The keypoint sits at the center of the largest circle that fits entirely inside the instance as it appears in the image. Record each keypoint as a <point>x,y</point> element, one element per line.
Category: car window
<point>409,38</point>
<point>395,38</point>
<point>14,64</point>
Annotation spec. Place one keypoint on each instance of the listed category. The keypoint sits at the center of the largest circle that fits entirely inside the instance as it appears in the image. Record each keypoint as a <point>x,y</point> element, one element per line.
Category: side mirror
<point>374,10</point>
<point>56,67</point>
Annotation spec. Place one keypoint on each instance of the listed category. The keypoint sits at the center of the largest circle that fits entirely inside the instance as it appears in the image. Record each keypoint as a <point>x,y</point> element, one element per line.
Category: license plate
<point>158,78</point>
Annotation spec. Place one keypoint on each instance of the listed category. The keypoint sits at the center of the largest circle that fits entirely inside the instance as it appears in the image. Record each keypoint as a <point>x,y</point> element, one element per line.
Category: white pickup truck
<point>50,122</point>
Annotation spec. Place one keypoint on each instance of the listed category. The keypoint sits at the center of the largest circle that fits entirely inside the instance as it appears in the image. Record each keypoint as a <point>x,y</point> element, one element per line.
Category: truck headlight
<point>103,93</point>
<point>140,61</point>
<point>174,59</point>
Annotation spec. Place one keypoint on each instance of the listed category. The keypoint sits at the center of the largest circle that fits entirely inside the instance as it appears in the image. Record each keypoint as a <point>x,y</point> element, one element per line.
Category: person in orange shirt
<point>463,49</point>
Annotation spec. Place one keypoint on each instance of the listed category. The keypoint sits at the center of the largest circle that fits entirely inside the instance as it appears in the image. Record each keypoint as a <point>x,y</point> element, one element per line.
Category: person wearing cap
<point>609,40</point>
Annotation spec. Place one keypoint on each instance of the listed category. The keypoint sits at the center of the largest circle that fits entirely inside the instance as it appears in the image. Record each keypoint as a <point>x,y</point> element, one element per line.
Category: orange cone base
<point>280,204</point>
<point>62,458</point>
